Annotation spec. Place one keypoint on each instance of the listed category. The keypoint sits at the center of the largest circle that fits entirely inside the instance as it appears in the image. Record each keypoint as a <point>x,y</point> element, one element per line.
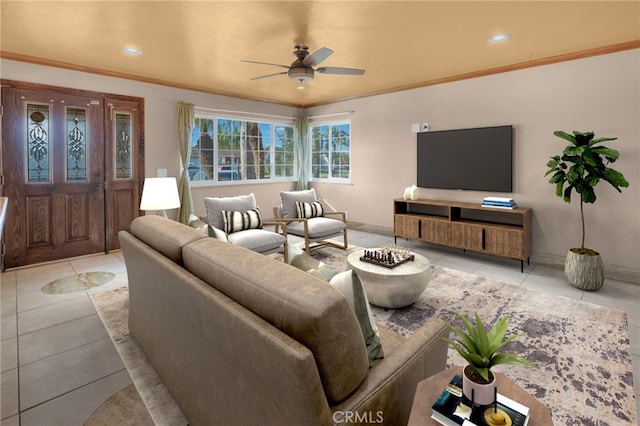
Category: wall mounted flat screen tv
<point>474,159</point>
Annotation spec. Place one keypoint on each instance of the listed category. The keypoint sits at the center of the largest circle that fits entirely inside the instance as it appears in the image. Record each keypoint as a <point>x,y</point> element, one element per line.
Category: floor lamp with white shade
<point>160,194</point>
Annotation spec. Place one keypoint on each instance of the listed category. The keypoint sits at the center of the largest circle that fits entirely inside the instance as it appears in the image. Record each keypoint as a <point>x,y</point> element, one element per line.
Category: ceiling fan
<point>302,71</point>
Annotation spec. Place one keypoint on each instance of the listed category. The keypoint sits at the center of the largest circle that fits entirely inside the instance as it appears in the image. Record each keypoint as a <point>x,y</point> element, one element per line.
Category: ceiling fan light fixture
<point>499,38</point>
<point>301,74</point>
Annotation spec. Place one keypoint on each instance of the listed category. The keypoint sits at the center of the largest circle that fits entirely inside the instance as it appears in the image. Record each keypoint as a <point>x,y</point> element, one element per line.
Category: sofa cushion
<point>170,241</point>
<point>289,198</point>
<point>351,287</point>
<point>300,305</point>
<point>235,221</point>
<point>215,206</point>
<point>309,210</point>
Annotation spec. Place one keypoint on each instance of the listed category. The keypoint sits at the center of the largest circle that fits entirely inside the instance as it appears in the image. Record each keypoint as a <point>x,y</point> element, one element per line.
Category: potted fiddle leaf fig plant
<point>482,350</point>
<point>582,165</point>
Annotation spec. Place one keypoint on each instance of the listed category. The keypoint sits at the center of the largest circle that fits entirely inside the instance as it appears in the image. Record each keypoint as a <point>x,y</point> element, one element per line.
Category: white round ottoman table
<point>392,287</point>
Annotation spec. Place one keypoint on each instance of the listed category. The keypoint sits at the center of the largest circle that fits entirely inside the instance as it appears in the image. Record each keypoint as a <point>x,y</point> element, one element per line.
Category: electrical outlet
<point>425,127</point>
<point>415,128</point>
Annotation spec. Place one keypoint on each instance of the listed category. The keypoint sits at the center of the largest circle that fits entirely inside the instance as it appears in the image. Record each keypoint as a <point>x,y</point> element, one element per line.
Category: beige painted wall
<point>600,94</point>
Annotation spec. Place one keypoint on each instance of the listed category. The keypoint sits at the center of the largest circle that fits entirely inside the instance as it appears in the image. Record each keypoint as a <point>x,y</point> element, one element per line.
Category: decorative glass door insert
<point>38,145</point>
<point>76,145</point>
<point>123,150</point>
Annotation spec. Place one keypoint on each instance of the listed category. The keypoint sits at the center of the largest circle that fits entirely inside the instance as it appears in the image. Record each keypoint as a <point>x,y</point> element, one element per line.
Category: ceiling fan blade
<point>268,75</point>
<point>339,70</point>
<point>318,56</point>
<point>266,63</point>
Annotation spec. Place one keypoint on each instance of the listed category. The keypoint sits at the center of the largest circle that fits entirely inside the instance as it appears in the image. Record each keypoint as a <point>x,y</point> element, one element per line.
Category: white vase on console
<point>410,192</point>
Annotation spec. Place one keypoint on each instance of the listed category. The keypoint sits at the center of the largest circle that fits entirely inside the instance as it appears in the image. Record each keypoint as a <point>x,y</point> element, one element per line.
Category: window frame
<point>272,152</point>
<point>331,179</point>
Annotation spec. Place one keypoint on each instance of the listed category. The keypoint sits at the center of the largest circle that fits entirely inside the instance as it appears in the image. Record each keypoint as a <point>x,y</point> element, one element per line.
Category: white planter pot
<point>483,394</point>
<point>584,271</point>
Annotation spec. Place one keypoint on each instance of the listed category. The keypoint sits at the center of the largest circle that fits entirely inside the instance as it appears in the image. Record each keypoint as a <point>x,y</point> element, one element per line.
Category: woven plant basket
<point>585,272</point>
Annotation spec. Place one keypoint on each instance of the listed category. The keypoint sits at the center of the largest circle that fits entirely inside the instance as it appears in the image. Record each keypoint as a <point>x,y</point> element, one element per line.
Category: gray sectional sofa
<point>239,338</point>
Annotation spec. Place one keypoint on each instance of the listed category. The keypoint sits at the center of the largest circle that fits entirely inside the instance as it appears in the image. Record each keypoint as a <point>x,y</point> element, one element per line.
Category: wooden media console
<point>469,226</point>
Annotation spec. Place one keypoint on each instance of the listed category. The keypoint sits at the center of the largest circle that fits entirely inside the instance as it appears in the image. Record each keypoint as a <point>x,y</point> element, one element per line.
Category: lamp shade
<point>160,193</point>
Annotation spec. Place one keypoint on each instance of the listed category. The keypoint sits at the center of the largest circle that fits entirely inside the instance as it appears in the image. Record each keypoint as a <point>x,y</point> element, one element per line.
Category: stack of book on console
<point>452,408</point>
<point>499,203</point>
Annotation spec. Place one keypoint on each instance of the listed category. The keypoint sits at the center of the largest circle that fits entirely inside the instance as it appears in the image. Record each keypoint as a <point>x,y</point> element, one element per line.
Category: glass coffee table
<point>392,288</point>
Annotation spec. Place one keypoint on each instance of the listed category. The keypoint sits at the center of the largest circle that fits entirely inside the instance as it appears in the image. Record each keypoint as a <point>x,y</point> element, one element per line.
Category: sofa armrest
<point>389,388</point>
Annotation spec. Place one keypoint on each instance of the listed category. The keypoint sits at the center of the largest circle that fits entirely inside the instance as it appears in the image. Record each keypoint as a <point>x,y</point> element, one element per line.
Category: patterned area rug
<point>582,350</point>
<point>584,374</point>
<point>78,282</point>
<point>123,408</point>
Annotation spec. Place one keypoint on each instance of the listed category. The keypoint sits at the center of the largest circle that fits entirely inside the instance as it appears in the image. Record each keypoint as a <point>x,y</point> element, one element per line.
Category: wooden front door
<point>58,167</point>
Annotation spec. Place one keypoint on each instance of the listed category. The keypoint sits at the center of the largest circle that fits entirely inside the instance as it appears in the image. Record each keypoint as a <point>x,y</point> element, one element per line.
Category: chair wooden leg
<point>306,236</point>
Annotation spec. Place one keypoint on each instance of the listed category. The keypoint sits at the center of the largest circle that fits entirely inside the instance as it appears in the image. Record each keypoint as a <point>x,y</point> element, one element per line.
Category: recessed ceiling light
<point>498,38</point>
<point>132,51</point>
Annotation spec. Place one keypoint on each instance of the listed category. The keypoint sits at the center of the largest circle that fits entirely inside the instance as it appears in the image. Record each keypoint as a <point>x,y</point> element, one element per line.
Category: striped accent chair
<point>305,216</point>
<point>238,220</point>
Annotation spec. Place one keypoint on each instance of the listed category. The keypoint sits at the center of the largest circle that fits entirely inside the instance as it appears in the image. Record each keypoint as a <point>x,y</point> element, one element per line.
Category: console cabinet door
<point>505,242</point>
<point>467,236</point>
<point>488,239</point>
<point>435,231</point>
<point>406,226</point>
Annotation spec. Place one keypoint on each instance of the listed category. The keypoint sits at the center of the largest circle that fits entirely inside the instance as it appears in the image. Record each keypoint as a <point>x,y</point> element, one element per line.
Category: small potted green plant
<point>582,165</point>
<point>481,349</point>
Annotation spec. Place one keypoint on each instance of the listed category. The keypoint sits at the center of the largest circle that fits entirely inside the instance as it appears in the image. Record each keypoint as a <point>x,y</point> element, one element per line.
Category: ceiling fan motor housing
<point>301,73</point>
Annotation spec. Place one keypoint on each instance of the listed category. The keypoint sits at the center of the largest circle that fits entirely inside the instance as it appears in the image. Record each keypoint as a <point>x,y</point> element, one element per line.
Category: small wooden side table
<point>429,389</point>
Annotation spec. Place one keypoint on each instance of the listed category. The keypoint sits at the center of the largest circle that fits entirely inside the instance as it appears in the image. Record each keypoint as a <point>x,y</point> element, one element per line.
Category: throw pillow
<point>217,233</point>
<point>197,223</point>
<point>301,260</point>
<point>235,221</point>
<point>289,198</point>
<point>309,210</point>
<point>349,284</point>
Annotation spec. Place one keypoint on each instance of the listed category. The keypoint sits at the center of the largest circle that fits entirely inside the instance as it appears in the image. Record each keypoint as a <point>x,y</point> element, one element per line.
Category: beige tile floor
<point>59,365</point>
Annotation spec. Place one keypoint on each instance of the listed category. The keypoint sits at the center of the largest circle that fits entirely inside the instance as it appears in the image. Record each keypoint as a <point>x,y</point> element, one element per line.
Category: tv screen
<point>476,159</point>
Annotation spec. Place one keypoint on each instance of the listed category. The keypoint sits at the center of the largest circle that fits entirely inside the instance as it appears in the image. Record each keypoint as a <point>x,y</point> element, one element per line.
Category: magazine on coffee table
<point>452,408</point>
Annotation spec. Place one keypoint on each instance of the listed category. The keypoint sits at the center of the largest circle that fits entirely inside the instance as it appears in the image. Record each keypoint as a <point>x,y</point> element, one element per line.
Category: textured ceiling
<point>200,45</point>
